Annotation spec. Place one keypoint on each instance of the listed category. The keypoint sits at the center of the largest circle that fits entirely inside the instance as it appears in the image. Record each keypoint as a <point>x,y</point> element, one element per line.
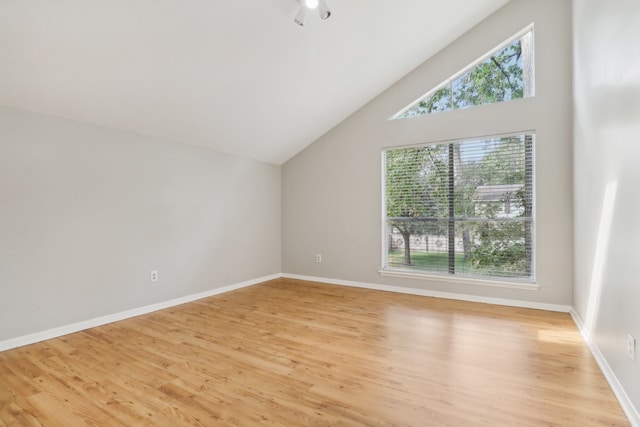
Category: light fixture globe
<point>325,13</point>
<point>311,4</point>
<point>306,6</point>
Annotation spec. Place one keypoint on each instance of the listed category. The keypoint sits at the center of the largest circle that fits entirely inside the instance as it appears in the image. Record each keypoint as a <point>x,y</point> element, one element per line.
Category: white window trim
<point>511,283</point>
<point>462,279</point>
<point>446,82</point>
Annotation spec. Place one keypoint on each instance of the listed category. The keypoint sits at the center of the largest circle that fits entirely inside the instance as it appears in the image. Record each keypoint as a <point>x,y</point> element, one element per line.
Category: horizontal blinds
<point>463,207</point>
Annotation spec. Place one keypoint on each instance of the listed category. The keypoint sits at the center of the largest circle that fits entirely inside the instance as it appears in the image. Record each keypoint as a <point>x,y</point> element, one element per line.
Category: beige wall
<point>331,190</point>
<point>87,212</point>
<point>607,181</point>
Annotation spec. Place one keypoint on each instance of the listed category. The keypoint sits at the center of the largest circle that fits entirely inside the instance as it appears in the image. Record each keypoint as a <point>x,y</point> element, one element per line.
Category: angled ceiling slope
<point>233,76</point>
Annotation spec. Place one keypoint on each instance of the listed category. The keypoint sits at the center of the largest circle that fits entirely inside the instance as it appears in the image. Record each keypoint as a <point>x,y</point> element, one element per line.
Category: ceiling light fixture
<point>307,5</point>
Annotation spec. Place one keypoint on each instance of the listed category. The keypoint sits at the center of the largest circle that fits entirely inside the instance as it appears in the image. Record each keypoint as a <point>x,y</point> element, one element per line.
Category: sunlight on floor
<point>560,336</point>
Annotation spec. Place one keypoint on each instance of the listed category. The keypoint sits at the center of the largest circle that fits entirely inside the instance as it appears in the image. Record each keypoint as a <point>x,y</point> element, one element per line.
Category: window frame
<point>496,281</point>
<point>449,80</point>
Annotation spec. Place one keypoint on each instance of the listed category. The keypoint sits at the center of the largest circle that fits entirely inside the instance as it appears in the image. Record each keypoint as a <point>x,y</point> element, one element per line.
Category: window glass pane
<point>499,78</point>
<point>461,208</point>
<point>498,249</point>
<point>505,74</point>
<point>428,245</point>
<point>439,101</point>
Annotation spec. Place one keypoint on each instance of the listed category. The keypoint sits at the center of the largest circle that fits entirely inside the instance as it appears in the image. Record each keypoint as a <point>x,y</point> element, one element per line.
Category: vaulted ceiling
<point>236,76</point>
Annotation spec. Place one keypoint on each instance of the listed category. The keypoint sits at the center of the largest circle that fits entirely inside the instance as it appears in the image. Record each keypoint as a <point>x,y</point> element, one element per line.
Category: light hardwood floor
<point>294,353</point>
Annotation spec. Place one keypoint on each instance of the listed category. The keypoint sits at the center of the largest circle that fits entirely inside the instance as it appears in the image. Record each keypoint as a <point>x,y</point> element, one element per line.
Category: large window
<point>461,208</point>
<point>504,74</point>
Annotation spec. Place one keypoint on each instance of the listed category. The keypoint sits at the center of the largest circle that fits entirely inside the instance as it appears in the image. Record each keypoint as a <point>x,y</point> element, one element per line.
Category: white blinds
<point>464,207</point>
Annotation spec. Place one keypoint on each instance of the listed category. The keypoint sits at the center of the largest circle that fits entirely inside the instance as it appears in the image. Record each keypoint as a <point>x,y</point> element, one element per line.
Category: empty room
<point>319,213</point>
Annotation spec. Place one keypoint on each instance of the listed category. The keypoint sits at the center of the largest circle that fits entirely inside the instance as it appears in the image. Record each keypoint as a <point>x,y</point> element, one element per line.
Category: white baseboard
<point>627,404</point>
<point>92,323</point>
<point>428,293</point>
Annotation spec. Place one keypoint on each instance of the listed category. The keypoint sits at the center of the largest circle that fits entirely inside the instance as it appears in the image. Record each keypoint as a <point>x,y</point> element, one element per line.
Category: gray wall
<point>87,212</point>
<point>331,190</point>
<point>607,180</point>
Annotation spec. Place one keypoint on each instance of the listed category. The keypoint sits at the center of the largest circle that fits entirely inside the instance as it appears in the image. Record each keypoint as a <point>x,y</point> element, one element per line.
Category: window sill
<point>512,284</point>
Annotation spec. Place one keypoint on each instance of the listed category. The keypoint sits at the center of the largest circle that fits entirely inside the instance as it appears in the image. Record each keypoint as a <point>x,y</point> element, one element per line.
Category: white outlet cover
<point>631,347</point>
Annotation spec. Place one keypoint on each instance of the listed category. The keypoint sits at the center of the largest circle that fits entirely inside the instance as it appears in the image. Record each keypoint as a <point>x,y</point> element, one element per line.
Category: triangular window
<point>503,74</point>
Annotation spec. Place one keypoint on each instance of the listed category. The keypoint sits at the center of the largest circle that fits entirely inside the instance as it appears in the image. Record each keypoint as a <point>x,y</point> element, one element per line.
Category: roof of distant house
<point>495,193</point>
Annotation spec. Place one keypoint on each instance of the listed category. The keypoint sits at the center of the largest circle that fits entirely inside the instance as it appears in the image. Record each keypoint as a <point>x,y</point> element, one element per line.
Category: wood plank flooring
<point>292,353</point>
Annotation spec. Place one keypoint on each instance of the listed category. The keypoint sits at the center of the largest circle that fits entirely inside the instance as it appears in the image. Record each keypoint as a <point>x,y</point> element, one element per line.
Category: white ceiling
<point>236,76</point>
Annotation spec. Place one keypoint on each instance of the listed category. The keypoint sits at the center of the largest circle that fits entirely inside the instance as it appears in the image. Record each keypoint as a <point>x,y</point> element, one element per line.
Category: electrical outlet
<point>631,347</point>
<point>318,257</point>
<point>153,277</point>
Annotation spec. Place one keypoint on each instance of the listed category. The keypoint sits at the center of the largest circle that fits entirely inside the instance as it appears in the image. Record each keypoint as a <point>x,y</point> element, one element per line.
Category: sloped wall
<point>332,190</point>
